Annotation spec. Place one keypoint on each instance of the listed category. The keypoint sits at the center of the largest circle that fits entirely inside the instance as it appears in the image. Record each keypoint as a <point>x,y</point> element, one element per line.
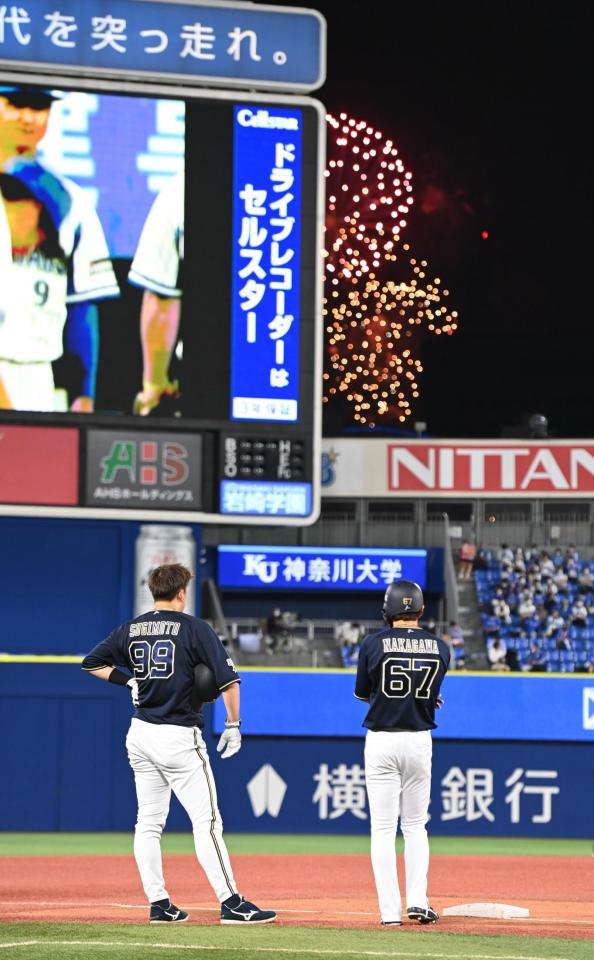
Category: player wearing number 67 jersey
<point>165,745</point>
<point>399,673</point>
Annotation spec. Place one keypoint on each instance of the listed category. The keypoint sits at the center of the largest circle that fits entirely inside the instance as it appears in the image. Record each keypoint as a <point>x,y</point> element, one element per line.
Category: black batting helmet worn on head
<point>402,596</point>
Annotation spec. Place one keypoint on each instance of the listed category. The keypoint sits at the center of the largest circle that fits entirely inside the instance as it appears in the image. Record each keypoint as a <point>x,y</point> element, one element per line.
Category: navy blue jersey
<point>400,672</point>
<point>161,649</point>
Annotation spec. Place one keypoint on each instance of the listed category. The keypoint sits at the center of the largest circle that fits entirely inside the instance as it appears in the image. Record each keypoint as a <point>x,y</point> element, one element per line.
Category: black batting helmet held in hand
<point>205,687</point>
<point>402,596</point>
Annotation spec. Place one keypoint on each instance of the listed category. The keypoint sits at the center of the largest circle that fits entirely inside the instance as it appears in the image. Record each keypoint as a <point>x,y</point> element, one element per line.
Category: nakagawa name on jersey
<point>410,645</point>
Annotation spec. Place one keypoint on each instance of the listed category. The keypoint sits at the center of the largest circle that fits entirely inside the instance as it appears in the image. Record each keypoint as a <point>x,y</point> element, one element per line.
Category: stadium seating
<point>515,574</point>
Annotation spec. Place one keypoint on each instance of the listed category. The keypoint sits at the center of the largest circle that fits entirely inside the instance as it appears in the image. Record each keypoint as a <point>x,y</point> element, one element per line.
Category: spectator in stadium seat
<point>496,654</point>
<point>506,554</point>
<point>455,639</point>
<point>554,623</point>
<point>547,567</point>
<point>526,607</point>
<point>536,661</point>
<point>586,580</point>
<point>558,557</point>
<point>466,559</point>
<point>499,607</point>
<point>562,640</point>
<point>481,561</point>
<point>579,613</point>
<point>551,592</point>
<point>561,580</point>
<point>572,556</point>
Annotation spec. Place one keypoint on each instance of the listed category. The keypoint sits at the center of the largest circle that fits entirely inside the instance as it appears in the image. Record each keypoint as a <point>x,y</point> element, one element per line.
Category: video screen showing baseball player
<point>54,262</point>
<point>160,650</point>
<point>80,174</point>
<point>400,671</point>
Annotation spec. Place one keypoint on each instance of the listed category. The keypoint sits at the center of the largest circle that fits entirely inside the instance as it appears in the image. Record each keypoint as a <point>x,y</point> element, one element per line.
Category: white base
<point>497,911</point>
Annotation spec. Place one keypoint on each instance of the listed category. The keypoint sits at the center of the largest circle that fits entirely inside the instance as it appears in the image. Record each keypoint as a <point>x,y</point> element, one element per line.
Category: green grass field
<point>106,844</point>
<point>32,941</point>
<point>71,941</point>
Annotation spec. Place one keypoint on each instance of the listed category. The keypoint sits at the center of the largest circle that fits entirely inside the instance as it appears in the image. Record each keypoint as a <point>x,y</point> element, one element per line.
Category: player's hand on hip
<point>133,684</point>
<point>230,741</point>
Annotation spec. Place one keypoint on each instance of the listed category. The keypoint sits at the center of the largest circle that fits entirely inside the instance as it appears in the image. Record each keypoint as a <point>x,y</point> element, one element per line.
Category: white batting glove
<point>230,740</point>
<point>133,684</point>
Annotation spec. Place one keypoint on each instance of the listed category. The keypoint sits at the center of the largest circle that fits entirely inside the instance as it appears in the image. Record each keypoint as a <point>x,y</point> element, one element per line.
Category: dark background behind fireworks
<point>490,106</point>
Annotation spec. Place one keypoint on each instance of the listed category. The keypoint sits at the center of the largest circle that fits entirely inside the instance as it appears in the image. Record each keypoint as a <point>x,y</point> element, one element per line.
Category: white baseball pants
<point>29,386</point>
<point>398,778</point>
<point>165,757</point>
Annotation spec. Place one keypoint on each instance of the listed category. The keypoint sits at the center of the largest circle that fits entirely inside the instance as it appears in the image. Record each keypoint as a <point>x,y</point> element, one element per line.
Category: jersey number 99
<point>152,662</point>
<point>398,674</point>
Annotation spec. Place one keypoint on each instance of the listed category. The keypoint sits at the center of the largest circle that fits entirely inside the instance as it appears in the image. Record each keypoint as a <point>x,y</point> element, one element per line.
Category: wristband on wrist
<point>232,723</point>
<point>117,676</point>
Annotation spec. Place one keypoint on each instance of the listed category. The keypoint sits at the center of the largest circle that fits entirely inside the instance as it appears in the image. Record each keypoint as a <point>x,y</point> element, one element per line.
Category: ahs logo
<point>147,462</point>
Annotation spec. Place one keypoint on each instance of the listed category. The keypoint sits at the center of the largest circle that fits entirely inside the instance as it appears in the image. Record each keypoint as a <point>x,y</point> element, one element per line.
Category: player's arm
<point>210,650</point>
<point>81,339</point>
<point>159,327</point>
<point>362,684</point>
<point>100,663</point>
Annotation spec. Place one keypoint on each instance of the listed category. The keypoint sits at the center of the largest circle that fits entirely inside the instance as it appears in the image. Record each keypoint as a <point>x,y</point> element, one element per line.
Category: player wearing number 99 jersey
<point>165,746</point>
<point>399,673</point>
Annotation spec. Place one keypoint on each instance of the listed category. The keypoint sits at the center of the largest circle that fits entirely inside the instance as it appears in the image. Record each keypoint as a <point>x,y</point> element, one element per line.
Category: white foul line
<point>253,949</point>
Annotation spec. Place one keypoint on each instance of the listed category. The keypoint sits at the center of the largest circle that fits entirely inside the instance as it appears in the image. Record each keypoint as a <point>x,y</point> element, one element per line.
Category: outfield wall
<point>65,768</point>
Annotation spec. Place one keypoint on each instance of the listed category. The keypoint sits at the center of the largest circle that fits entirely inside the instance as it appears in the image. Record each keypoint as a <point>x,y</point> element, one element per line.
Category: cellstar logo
<point>146,462</point>
<point>266,120</point>
<point>493,468</point>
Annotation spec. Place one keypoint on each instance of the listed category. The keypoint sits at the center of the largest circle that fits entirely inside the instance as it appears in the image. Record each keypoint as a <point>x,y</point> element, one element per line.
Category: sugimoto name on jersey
<point>410,645</point>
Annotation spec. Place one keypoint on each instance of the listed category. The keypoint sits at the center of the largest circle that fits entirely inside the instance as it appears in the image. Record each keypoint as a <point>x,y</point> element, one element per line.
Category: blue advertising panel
<point>494,789</point>
<point>477,706</point>
<point>222,45</point>
<point>265,263</point>
<point>318,568</point>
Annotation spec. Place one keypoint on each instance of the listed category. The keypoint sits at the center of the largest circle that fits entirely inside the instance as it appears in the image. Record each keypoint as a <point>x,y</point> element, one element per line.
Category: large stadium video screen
<point>153,256</point>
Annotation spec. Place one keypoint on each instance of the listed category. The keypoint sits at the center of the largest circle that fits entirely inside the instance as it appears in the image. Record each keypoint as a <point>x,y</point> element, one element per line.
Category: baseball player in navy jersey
<point>165,745</point>
<point>41,293</point>
<point>399,674</point>
<point>156,268</point>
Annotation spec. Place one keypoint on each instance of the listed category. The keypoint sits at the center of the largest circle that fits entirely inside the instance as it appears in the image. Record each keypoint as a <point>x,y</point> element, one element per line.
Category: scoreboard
<point>208,206</point>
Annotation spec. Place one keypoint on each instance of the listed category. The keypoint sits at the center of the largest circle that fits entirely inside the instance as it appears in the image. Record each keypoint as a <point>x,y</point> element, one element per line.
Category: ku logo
<point>266,791</point>
<point>588,708</point>
<point>256,565</point>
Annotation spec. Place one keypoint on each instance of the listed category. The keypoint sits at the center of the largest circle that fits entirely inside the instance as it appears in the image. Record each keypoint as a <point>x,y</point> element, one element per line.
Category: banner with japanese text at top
<point>230,44</point>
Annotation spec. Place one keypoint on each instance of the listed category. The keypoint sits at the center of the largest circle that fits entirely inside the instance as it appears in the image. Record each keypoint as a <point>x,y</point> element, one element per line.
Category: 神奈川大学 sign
<point>359,467</point>
<point>222,45</point>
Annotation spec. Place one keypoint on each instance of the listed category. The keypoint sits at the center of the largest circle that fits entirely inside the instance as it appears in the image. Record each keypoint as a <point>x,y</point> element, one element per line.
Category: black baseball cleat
<point>422,914</point>
<point>161,913</point>
<point>238,910</point>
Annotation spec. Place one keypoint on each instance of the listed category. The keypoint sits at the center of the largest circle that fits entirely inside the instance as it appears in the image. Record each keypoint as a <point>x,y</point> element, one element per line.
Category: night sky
<point>490,105</point>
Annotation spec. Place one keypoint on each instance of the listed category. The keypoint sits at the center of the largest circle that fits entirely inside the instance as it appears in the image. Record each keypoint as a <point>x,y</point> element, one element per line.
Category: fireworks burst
<point>371,317</point>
